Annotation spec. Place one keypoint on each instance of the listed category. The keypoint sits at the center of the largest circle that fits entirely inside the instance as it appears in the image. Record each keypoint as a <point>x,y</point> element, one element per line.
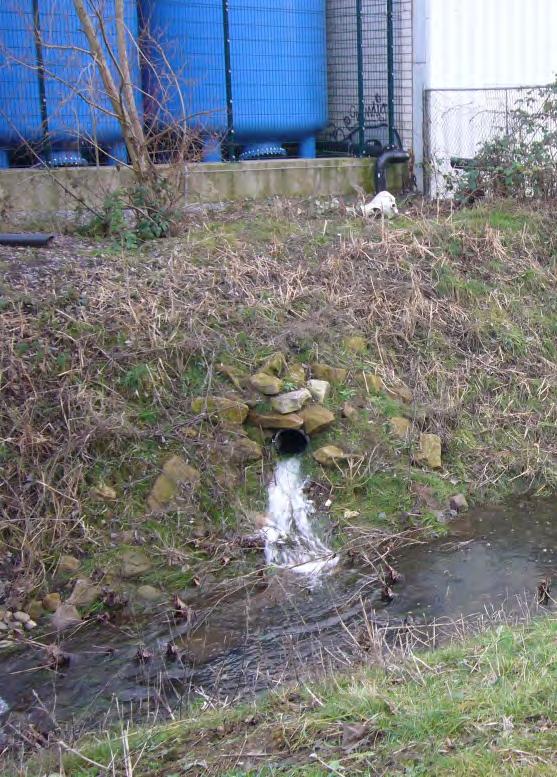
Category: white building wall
<point>465,44</point>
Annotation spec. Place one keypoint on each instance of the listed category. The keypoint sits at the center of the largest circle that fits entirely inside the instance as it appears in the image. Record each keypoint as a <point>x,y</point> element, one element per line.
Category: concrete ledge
<point>53,197</point>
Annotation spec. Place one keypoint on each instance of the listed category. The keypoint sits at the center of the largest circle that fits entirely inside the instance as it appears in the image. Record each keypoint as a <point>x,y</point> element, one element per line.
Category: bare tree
<point>104,74</point>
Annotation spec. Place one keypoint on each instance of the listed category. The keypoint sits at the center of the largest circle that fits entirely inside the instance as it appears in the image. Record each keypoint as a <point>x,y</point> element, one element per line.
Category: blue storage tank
<point>278,71</point>
<point>51,95</point>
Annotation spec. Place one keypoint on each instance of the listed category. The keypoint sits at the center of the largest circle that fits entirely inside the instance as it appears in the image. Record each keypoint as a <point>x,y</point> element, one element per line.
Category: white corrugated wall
<point>478,44</point>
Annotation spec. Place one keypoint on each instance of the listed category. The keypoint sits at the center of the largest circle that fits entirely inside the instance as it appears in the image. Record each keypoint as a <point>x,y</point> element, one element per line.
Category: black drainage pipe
<point>36,239</point>
<point>388,157</point>
<point>291,441</point>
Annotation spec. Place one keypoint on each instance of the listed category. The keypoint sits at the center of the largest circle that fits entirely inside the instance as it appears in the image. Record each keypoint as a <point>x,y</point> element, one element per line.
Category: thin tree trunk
<point>126,109</point>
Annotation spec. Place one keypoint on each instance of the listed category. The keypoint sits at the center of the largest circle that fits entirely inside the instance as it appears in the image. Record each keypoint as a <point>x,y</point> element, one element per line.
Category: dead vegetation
<point>102,352</point>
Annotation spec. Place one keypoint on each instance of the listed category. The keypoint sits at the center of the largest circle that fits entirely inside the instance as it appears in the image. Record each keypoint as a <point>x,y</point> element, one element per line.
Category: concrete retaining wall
<point>33,198</point>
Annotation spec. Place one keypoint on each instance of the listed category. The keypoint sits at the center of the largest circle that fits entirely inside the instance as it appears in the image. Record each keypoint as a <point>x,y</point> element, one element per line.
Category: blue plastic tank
<point>278,71</point>
<point>51,95</point>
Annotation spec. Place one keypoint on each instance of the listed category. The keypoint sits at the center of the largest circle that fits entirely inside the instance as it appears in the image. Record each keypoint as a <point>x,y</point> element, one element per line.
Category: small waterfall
<point>289,537</point>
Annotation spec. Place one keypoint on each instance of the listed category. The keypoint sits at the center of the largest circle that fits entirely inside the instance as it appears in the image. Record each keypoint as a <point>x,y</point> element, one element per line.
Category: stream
<point>285,627</point>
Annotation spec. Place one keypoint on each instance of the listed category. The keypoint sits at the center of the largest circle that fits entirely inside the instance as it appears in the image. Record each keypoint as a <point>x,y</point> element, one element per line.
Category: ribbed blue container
<point>62,108</point>
<point>278,71</point>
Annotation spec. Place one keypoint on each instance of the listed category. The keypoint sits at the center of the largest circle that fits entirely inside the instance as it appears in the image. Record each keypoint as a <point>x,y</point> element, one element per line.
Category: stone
<point>458,503</point>
<point>245,450</point>
<point>316,418</point>
<point>30,625</point>
<point>234,375</point>
<point>133,563</point>
<point>295,374</point>
<point>65,616</point>
<point>176,475</point>
<point>328,373</point>
<point>276,420</point>
<point>3,626</point>
<point>429,451</point>
<point>229,411</point>
<point>329,455</point>
<point>68,564</point>
<point>51,601</point>
<point>266,384</point>
<point>149,593</point>
<point>84,593</point>
<point>21,617</point>
<point>370,381</point>
<point>355,343</point>
<point>291,401</point>
<point>177,469</point>
<point>348,515</point>
<point>103,491</point>
<point>274,364</point>
<point>400,427</point>
<point>319,389</point>
<point>401,392</point>
<point>349,411</point>
<point>35,609</point>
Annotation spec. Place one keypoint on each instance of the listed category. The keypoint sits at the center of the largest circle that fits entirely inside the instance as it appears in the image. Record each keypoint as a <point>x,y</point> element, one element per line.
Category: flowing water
<point>290,538</point>
<point>289,626</point>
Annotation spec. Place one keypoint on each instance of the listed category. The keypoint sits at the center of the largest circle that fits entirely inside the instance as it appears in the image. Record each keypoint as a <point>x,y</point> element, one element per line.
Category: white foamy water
<point>3,706</point>
<point>289,537</point>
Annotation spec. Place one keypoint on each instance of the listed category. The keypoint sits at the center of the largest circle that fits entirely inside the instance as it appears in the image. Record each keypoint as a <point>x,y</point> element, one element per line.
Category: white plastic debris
<point>383,204</point>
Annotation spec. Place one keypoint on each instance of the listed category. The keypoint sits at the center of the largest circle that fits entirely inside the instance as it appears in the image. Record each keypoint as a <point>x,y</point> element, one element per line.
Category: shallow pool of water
<point>288,628</point>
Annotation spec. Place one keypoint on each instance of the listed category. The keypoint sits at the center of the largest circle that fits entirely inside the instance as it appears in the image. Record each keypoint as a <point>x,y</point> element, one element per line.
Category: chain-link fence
<point>246,79</point>
<point>459,122</point>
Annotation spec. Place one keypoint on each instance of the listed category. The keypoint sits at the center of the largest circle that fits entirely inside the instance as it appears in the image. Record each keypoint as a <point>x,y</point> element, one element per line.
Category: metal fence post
<point>426,142</point>
<point>41,76</point>
<point>390,72</point>
<point>228,77</point>
<point>360,61</point>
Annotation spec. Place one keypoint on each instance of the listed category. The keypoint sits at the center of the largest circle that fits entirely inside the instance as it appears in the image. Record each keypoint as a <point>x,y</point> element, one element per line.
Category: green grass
<point>485,706</point>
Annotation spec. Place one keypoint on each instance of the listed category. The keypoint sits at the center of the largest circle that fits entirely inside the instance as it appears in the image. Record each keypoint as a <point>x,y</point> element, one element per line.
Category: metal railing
<point>369,62</point>
<point>248,80</point>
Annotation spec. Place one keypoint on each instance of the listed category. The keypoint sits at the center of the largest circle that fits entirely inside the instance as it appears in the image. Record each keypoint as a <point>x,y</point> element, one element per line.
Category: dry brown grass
<point>102,351</point>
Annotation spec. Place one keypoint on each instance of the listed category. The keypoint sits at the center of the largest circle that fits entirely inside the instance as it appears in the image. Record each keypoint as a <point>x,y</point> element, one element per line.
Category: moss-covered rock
<point>295,374</point>
<point>329,455</point>
<point>133,563</point>
<point>316,418</point>
<point>276,420</point>
<point>229,411</point>
<point>245,450</point>
<point>275,364</point>
<point>370,382</point>
<point>429,451</point>
<point>400,427</point>
<point>326,372</point>
<point>176,475</point>
<point>266,384</point>
<point>52,601</point>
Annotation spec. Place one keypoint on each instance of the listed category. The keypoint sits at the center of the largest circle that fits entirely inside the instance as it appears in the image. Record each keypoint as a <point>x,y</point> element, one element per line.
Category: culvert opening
<point>290,442</point>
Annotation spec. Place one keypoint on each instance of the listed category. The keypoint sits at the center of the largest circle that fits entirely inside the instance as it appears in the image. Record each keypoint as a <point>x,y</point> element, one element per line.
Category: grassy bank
<point>483,707</point>
<point>103,351</point>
